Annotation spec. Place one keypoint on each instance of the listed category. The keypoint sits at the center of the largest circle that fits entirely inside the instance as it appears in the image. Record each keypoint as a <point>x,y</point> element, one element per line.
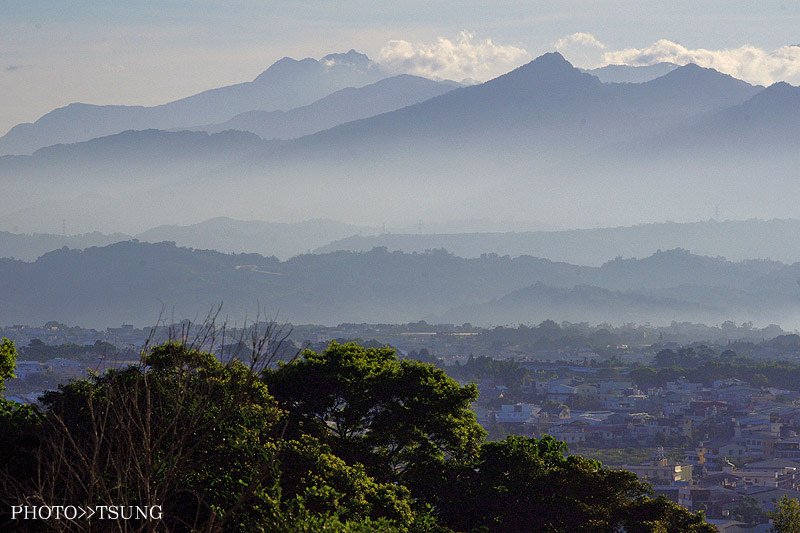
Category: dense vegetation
<point>706,365</point>
<point>348,439</point>
<point>39,351</point>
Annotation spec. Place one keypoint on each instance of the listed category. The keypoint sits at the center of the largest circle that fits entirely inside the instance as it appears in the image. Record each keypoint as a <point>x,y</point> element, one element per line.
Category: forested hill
<point>133,282</point>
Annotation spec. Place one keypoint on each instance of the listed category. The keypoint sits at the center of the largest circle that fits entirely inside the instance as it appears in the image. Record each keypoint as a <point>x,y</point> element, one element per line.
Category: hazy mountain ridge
<point>227,235</point>
<point>582,303</point>
<point>557,142</point>
<point>29,247</point>
<point>132,281</point>
<point>735,240</point>
<point>770,117</point>
<point>631,74</point>
<point>286,84</point>
<point>547,103</point>
<point>344,105</point>
<point>221,234</point>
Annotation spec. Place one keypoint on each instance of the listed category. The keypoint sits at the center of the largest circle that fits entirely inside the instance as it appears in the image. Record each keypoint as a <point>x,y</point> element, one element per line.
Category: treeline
<point>506,371</point>
<point>604,338</point>
<point>346,439</point>
<point>703,364</point>
<point>39,351</point>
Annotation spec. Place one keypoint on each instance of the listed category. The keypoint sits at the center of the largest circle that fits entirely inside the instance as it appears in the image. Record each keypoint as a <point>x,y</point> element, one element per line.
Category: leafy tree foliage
<point>749,511</point>
<point>399,418</point>
<point>39,351</point>
<point>524,484</point>
<point>181,429</point>
<point>15,419</point>
<point>786,517</point>
<point>8,361</point>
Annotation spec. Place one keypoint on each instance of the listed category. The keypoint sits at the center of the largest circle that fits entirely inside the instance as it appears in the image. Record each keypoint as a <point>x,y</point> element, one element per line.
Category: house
<point>614,387</point>
<point>560,392</point>
<point>518,413</point>
<point>768,497</point>
<point>661,472</point>
<point>484,415</point>
<point>788,448</point>
<point>715,501</point>
<point>586,390</point>
<point>574,433</point>
<point>554,413</point>
<point>24,369</point>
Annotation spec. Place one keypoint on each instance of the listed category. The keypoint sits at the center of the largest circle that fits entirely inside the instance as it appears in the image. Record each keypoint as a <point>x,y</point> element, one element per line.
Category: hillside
<point>734,239</point>
<point>134,282</point>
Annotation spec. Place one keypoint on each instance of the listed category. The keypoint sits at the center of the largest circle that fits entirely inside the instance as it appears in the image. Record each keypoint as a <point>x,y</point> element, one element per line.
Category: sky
<point>56,52</point>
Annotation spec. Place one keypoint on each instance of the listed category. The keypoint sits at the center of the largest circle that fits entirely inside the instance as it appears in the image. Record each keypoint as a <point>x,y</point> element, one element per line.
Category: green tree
<point>401,419</point>
<point>204,440</point>
<point>8,361</point>
<point>181,430</point>
<point>523,484</point>
<point>749,511</point>
<point>786,516</point>
<point>314,479</point>
<point>17,422</point>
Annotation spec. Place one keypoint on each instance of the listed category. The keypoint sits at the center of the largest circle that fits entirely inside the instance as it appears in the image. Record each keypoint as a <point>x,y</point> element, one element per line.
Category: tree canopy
<point>349,439</point>
<point>8,361</point>
<point>786,517</point>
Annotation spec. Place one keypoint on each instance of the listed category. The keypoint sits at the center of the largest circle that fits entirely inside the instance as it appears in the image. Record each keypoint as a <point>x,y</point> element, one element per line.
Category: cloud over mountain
<point>581,48</point>
<point>462,58</point>
<point>747,62</point>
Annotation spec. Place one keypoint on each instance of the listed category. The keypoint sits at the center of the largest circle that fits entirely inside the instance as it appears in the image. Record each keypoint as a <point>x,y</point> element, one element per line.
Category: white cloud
<point>459,59</point>
<point>746,62</point>
<point>583,49</point>
<point>581,39</point>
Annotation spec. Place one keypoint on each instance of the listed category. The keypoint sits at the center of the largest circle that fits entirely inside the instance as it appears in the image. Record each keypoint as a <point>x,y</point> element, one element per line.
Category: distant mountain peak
<point>692,71</point>
<point>782,88</point>
<point>548,70</point>
<point>781,94</point>
<point>551,59</point>
<point>550,64</point>
<point>285,65</point>
<point>351,57</point>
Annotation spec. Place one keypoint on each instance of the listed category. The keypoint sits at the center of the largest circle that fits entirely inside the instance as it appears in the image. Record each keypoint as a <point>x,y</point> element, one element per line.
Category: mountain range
<point>287,84</point>
<point>734,239</point>
<point>283,240</point>
<point>135,282</point>
<point>344,105</point>
<point>631,74</point>
<point>545,141</point>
